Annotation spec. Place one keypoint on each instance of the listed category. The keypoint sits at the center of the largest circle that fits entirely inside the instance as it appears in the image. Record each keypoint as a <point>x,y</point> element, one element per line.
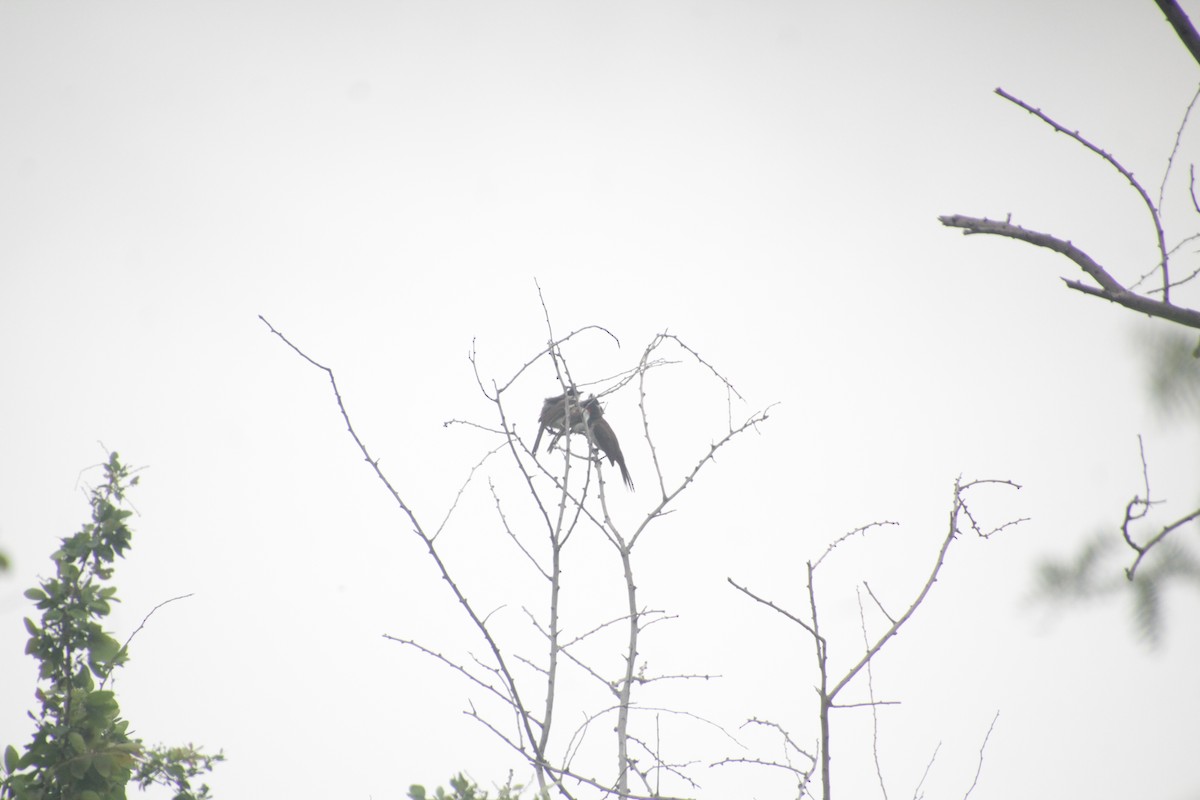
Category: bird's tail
<point>625,475</point>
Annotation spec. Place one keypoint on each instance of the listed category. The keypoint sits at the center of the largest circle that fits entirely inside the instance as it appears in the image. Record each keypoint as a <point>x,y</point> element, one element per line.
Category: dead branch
<point>526,721</point>
<point>953,529</point>
<point>1142,550</point>
<point>859,531</point>
<point>960,520</point>
<point>802,775</point>
<point>772,605</point>
<point>862,618</point>
<point>531,738</point>
<point>1182,25</point>
<point>1162,188</point>
<point>454,665</point>
<point>1154,215</point>
<point>1136,509</point>
<point>145,619</point>
<point>1109,288</point>
<point>917,795</point>
<point>982,748</point>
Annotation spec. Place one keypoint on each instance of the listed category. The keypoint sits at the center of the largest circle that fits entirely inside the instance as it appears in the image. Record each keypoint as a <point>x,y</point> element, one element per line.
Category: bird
<point>604,437</point>
<point>564,412</point>
<point>553,417</point>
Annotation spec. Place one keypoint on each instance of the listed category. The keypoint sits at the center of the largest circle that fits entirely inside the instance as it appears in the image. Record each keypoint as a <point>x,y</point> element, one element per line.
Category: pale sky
<point>384,182</point>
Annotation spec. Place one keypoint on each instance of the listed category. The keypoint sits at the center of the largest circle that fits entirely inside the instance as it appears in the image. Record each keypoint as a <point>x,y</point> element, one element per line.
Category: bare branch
<point>1137,508</point>
<point>1143,304</point>
<point>552,347</point>
<point>145,619</point>
<point>953,529</point>
<point>658,766</point>
<point>1175,148</point>
<point>788,743</point>
<point>862,618</point>
<point>1178,246</point>
<point>519,707</point>
<point>982,748</point>
<point>698,357</point>
<point>761,763</point>
<point>1110,289</point>
<point>660,509</point>
<point>917,791</point>
<point>972,225</point>
<point>1162,245</point>
<point>454,665</point>
<point>850,534</point>
<point>512,534</point>
<point>1182,25</point>
<point>463,488</point>
<point>869,704</point>
<point>1192,187</point>
<point>644,367</point>
<point>683,676</point>
<point>771,604</point>
<point>882,610</point>
<point>802,775</point>
<point>531,735</point>
<point>1144,549</point>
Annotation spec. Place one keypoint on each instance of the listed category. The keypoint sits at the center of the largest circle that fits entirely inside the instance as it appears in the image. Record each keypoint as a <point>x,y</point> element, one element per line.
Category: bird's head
<point>593,408</point>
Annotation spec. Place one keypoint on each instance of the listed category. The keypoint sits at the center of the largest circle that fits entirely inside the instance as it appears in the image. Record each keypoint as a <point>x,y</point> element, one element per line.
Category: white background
<point>385,181</point>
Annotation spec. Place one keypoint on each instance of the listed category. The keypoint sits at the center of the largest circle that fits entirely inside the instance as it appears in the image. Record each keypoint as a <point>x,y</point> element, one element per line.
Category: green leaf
<point>76,741</point>
<point>103,700</point>
<point>104,647</point>
<point>11,757</point>
<point>79,766</point>
<point>35,594</point>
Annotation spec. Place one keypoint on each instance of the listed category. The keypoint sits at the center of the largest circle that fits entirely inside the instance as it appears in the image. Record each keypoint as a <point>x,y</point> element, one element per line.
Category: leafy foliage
<point>1174,372</point>
<point>1095,571</point>
<point>1092,574</point>
<point>176,767</point>
<point>463,788</point>
<point>81,747</point>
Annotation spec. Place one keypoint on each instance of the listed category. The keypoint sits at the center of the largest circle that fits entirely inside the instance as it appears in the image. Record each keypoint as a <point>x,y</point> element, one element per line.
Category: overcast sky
<point>385,181</point>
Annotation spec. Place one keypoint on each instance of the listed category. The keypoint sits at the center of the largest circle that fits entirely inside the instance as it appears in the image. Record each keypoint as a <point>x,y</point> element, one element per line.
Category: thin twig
<point>145,619</point>
<point>1162,189</point>
<point>882,610</point>
<point>1144,549</point>
<point>463,488</point>
<point>953,529</point>
<point>524,717</point>
<point>1162,244</point>
<point>917,791</point>
<point>982,748</point>
<point>861,530</point>
<point>771,604</point>
<point>1137,509</point>
<point>862,618</point>
<point>454,665</point>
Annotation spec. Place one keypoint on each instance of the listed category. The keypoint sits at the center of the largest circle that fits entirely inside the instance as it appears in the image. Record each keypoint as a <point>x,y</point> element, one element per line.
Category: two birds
<point>564,412</point>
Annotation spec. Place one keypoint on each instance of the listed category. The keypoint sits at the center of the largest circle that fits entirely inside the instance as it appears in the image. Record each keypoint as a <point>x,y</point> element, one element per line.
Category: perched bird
<point>564,412</point>
<point>553,417</point>
<point>603,436</point>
